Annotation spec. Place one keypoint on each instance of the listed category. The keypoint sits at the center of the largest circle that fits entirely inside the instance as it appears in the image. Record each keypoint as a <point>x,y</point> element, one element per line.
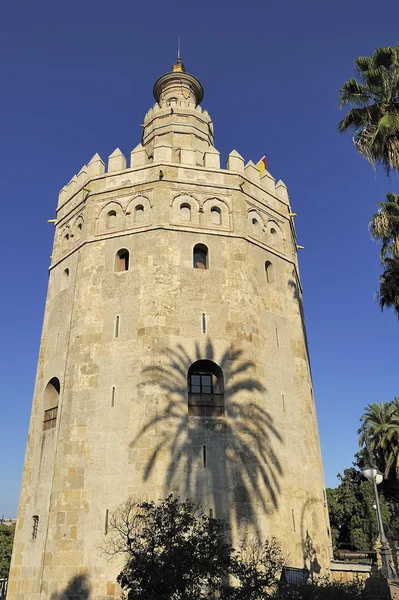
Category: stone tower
<point>173,356</point>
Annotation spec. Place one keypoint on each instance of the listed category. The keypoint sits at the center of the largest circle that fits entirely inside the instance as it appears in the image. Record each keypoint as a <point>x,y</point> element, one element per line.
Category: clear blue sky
<point>77,77</point>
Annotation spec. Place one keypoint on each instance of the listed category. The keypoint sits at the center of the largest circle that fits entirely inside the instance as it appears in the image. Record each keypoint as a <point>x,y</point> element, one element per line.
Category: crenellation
<point>212,158</point>
<point>252,172</point>
<point>235,162</point>
<point>267,181</point>
<point>116,161</point>
<point>96,166</point>
<point>63,195</point>
<point>281,191</point>
<point>81,177</point>
<point>138,156</point>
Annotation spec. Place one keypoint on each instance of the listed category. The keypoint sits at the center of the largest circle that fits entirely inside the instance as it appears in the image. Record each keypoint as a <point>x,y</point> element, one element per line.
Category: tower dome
<point>178,86</point>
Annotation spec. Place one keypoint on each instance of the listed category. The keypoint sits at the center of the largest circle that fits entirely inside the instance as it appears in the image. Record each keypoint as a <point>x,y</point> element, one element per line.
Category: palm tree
<point>381,422</point>
<point>384,226</point>
<point>374,116</point>
<point>389,285</point>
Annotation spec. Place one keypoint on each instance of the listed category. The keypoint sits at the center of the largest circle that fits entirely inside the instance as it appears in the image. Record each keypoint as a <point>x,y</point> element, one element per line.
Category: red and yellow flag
<point>262,164</point>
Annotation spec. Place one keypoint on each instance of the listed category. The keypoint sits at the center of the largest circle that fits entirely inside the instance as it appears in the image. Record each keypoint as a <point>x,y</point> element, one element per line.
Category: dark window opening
<point>200,257</point>
<point>205,390</point>
<point>106,522</point>
<point>122,261</point>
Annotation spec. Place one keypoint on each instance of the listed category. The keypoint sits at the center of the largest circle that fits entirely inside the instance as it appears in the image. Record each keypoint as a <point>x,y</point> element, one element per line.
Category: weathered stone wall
<point>122,426</point>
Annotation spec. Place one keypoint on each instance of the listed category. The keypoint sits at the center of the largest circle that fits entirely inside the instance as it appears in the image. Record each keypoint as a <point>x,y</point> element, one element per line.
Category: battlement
<point>164,153</point>
<point>183,105</point>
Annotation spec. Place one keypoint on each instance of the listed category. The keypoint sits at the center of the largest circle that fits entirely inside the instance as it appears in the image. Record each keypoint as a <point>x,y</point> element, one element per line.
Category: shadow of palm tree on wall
<point>77,589</point>
<point>228,463</point>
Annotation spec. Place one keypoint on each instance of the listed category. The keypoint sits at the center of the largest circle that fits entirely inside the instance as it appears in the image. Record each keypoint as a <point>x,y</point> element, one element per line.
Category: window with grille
<point>205,393</point>
<point>51,400</point>
<point>50,418</point>
<point>35,525</point>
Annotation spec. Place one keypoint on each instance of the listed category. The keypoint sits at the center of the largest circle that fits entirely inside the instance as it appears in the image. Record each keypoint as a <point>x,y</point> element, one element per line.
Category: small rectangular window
<point>106,522</point>
<point>117,327</point>
<point>35,525</point>
<point>50,418</point>
<point>113,397</point>
<point>204,456</point>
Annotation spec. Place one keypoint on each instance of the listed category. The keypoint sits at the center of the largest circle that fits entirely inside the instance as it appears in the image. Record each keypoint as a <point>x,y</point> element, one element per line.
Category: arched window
<point>216,215</point>
<point>269,272</point>
<point>122,260</point>
<point>79,230</point>
<point>185,212</point>
<point>139,213</point>
<point>51,398</point>
<point>200,257</point>
<point>111,219</point>
<point>205,389</point>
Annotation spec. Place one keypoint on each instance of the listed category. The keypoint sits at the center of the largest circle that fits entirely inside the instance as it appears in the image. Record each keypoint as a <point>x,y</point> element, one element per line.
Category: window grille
<point>50,418</point>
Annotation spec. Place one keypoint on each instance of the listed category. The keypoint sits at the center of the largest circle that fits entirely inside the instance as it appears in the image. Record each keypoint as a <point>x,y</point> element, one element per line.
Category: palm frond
<point>376,96</point>
<point>384,57</point>
<point>353,92</point>
<point>355,118</point>
<point>389,285</point>
<point>363,63</point>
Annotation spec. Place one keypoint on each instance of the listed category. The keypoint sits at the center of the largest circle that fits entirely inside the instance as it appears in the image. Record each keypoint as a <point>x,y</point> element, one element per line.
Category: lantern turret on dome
<point>178,85</point>
<point>177,122</point>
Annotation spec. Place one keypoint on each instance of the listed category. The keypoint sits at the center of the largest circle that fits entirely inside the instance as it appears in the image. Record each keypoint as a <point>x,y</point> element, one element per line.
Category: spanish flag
<point>262,164</point>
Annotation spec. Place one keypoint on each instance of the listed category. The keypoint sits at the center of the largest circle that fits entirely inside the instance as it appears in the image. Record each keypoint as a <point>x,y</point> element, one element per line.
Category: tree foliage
<point>388,294</point>
<point>351,504</point>
<point>352,516</point>
<point>374,116</point>
<point>256,568</point>
<point>384,227</point>
<point>6,543</point>
<point>173,550</point>
<point>381,424</point>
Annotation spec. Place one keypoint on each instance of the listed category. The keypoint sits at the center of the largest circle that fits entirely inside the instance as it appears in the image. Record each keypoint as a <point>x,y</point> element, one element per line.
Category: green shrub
<point>322,590</point>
